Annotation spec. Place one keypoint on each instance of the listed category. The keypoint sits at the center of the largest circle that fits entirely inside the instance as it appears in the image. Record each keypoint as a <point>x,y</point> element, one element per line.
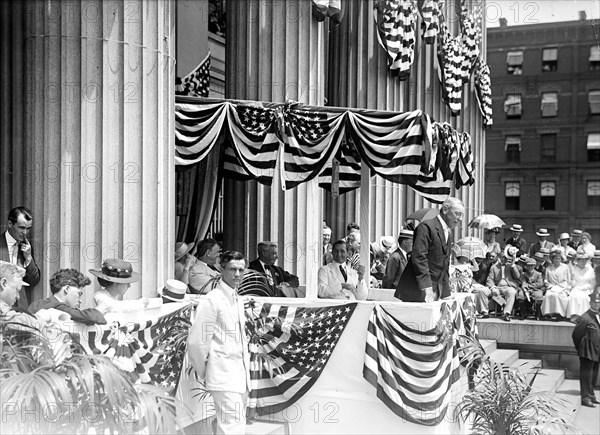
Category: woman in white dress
<point>586,246</point>
<point>491,244</point>
<point>582,284</point>
<point>557,280</point>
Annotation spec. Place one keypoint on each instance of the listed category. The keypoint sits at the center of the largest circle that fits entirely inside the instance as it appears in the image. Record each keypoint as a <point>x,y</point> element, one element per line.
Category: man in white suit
<point>338,280</point>
<point>218,348</point>
<point>205,267</point>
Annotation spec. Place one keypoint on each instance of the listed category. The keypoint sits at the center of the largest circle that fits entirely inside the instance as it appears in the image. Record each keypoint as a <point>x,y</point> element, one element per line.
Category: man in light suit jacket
<point>205,267</point>
<point>265,263</point>
<point>15,248</point>
<point>338,280</point>
<point>504,279</point>
<point>218,348</point>
<point>398,260</point>
<point>426,277</point>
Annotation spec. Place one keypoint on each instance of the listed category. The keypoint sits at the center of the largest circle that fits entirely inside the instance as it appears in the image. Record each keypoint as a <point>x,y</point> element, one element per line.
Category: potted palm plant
<point>501,401</point>
<point>50,385</point>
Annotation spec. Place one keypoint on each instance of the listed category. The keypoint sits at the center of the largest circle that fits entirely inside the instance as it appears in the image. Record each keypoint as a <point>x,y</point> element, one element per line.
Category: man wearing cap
<point>205,267</point>
<point>426,277</point>
<point>575,239</point>
<point>265,263</point>
<point>218,347</point>
<point>542,242</point>
<point>516,240</point>
<point>183,261</point>
<point>16,249</point>
<point>586,337</point>
<point>67,287</point>
<point>398,260</point>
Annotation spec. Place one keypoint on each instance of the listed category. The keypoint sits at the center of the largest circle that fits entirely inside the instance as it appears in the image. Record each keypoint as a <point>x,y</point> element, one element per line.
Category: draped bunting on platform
<point>406,148</point>
<point>414,370</point>
<point>483,88</point>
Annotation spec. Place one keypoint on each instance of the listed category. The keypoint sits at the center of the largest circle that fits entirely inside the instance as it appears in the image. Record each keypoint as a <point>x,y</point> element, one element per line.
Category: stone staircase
<point>550,380</point>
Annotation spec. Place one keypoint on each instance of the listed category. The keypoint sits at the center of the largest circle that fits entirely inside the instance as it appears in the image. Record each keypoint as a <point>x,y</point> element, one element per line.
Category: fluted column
<point>100,135</point>
<point>275,51</point>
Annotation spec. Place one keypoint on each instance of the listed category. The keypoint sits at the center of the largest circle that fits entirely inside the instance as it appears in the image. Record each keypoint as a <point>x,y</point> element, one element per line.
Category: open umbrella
<point>470,247</point>
<point>486,222</point>
<point>423,214</point>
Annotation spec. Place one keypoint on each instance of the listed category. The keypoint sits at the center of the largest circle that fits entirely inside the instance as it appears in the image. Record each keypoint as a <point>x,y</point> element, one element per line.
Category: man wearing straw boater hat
<point>183,261</point>
<point>399,259</point>
<point>542,242</point>
<point>586,337</point>
<point>575,239</point>
<point>516,240</point>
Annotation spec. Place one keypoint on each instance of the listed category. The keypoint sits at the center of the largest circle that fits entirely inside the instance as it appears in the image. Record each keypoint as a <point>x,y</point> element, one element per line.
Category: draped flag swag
<point>289,348</point>
<point>414,370</point>
<point>407,148</point>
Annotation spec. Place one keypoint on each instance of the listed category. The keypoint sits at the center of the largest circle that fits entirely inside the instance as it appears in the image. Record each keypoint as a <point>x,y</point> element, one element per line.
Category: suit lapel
<point>440,233</point>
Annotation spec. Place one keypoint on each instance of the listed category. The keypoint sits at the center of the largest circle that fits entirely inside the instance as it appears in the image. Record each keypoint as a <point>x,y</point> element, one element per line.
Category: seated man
<point>265,263</point>
<point>501,280</point>
<point>67,289</point>
<point>531,293</point>
<point>205,267</point>
<point>339,281</point>
<point>480,276</point>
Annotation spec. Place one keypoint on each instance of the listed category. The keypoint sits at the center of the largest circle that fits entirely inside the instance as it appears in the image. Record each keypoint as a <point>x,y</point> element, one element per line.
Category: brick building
<point>543,151</point>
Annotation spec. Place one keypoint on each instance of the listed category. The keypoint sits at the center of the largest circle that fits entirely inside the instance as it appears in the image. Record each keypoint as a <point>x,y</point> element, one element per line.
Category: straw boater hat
<point>182,248</point>
<point>577,233</point>
<point>406,234</point>
<point>386,243</point>
<point>510,252</point>
<point>173,291</point>
<point>543,232</point>
<point>516,227</point>
<point>595,295</point>
<point>581,256</point>
<point>531,262</point>
<point>596,254</point>
<point>539,256</point>
<point>564,236</point>
<point>116,270</point>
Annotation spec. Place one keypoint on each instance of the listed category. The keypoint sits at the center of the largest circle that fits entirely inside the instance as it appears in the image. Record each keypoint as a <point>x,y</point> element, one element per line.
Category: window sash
<point>550,54</point>
<point>512,104</point>
<point>514,58</point>
<point>547,188</point>
<point>512,189</point>
<point>594,53</point>
<point>593,188</point>
<point>512,140</point>
<point>593,141</point>
<point>594,97</point>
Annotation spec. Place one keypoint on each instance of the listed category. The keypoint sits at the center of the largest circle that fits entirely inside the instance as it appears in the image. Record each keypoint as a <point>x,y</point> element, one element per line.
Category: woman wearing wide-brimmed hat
<point>558,286</point>
<point>183,261</point>
<point>116,277</point>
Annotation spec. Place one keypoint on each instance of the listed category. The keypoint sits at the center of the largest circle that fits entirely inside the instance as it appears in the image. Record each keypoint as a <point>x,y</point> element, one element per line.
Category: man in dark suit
<point>265,263</point>
<point>67,289</point>
<point>516,240</point>
<point>586,337</point>
<point>426,277</point>
<point>542,242</point>
<point>398,260</point>
<point>16,249</point>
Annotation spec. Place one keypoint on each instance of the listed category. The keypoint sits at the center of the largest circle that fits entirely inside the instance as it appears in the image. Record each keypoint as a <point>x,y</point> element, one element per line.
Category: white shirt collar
<point>10,240</point>
<point>58,299</point>
<point>229,291</point>
<point>444,226</point>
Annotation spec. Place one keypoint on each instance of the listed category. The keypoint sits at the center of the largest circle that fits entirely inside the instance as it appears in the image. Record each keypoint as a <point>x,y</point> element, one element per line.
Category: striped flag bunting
<point>140,348</point>
<point>196,83</point>
<point>289,348</point>
<point>327,8</point>
<point>395,22</point>
<point>430,19</point>
<point>483,91</point>
<point>412,370</point>
<point>407,148</point>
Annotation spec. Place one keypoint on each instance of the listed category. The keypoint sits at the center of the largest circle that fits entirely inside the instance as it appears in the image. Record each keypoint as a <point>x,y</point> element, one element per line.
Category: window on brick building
<point>549,104</point>
<point>549,59</point>
<point>593,194</point>
<point>548,195</point>
<point>512,147</point>
<point>594,101</point>
<point>593,147</point>
<point>548,147</point>
<point>512,106</point>
<point>594,57</point>
<point>512,195</point>
<point>514,62</point>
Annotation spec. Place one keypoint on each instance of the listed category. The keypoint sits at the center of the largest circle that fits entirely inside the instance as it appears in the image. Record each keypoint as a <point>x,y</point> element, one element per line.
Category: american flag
<point>289,348</point>
<point>196,83</point>
<point>144,349</point>
<point>412,370</point>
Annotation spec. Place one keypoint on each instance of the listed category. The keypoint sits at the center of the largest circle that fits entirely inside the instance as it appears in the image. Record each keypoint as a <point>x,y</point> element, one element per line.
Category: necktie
<point>344,274</point>
<point>213,267</point>
<point>15,258</point>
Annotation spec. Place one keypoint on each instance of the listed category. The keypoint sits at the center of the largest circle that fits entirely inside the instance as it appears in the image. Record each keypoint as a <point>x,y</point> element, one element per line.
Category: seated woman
<point>557,282</point>
<point>116,277</point>
<point>582,284</point>
<point>461,275</point>
<point>491,245</point>
<point>586,246</point>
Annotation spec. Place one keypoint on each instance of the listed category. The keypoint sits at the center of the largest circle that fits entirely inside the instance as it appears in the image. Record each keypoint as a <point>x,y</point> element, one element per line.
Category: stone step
<point>527,366</point>
<point>269,427</point>
<point>488,345</point>
<point>548,380</point>
<point>505,356</point>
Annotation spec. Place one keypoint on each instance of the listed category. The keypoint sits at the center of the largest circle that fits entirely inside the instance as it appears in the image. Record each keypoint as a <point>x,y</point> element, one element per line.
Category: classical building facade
<point>543,151</point>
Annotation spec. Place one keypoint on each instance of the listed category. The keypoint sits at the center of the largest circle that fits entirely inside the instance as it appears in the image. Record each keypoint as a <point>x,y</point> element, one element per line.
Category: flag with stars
<point>196,83</point>
<point>289,348</point>
<point>413,370</point>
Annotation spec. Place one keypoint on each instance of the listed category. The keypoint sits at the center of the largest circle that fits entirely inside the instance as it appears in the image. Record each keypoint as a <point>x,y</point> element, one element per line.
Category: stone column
<point>275,51</point>
<point>99,136</point>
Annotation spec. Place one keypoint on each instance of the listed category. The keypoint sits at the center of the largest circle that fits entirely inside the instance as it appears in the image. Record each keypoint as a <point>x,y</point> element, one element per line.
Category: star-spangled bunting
<point>289,348</point>
<point>196,83</point>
